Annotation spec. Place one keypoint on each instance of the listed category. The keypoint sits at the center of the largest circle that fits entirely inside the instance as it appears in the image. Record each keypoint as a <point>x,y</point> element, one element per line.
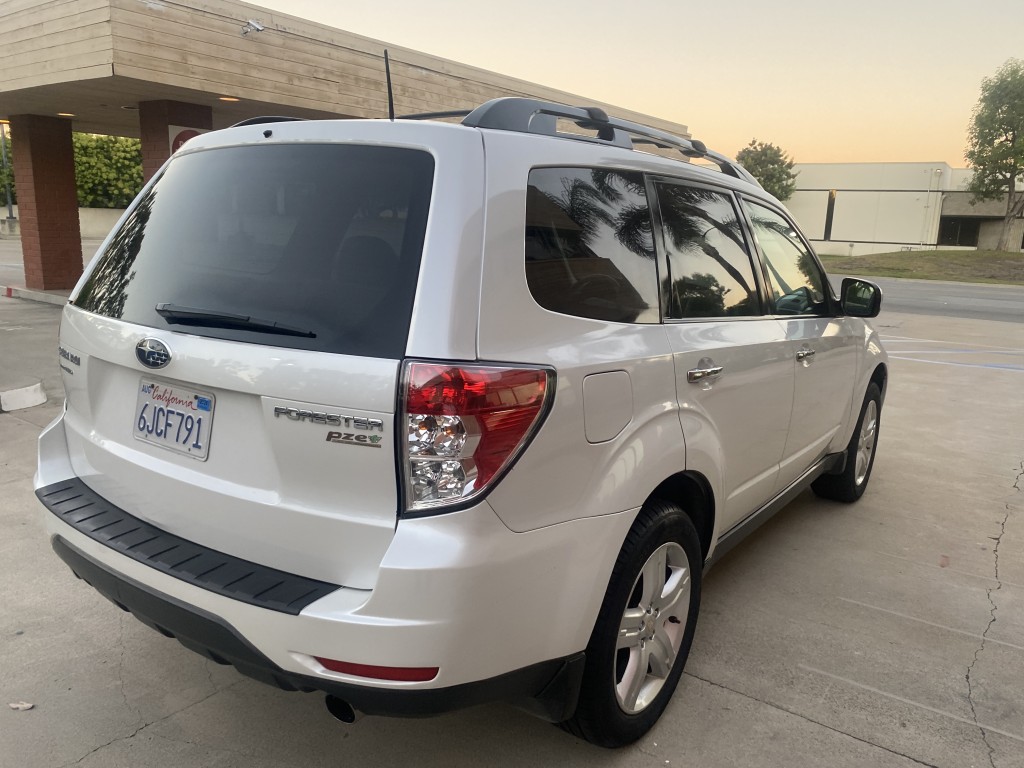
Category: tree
<point>995,143</point>
<point>770,166</point>
<point>108,170</point>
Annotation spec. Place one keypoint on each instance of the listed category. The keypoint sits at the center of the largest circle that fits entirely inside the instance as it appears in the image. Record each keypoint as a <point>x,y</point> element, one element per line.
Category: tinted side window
<point>589,251</point>
<point>797,285</point>
<point>709,268</point>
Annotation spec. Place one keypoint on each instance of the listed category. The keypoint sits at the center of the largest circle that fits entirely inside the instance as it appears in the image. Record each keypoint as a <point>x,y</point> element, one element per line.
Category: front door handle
<point>701,374</point>
<point>805,354</point>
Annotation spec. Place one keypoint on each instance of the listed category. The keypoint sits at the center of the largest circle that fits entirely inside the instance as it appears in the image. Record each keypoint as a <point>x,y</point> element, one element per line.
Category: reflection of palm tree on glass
<point>585,205</point>
<point>687,219</point>
<point>106,290</point>
<point>584,228</point>
<point>633,221</point>
<point>605,182</point>
<point>590,204</point>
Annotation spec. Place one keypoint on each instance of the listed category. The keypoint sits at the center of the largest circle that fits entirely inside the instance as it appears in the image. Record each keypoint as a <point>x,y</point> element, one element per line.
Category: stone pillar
<point>154,119</point>
<point>44,173</point>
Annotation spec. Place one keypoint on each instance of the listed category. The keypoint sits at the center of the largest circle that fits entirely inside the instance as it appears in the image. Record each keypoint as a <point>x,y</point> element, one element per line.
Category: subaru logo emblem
<point>152,353</point>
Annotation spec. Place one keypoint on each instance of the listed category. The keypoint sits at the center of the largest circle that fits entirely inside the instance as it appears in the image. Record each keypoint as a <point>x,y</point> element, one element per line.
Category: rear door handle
<point>804,354</point>
<point>700,374</point>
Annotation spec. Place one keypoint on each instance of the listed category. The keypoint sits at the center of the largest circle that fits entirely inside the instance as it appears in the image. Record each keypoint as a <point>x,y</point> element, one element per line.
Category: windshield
<point>319,237</point>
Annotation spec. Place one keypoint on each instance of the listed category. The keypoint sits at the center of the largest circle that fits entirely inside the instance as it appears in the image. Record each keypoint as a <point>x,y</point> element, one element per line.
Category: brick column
<point>44,173</point>
<point>154,117</point>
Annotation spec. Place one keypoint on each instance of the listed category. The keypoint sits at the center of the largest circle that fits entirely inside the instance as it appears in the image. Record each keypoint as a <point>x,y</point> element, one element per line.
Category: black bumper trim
<point>89,513</point>
<point>549,690</point>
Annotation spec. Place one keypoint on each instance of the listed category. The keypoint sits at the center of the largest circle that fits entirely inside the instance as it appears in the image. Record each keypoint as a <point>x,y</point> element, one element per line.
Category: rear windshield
<point>318,245</point>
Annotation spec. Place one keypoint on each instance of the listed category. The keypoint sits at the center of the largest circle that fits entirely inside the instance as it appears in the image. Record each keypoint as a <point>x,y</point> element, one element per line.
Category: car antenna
<point>391,96</point>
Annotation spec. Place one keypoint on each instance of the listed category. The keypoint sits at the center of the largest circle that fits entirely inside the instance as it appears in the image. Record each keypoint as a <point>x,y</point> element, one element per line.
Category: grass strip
<point>960,266</point>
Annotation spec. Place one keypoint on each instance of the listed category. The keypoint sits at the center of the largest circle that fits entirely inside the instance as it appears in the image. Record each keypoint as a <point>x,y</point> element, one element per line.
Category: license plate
<point>174,417</point>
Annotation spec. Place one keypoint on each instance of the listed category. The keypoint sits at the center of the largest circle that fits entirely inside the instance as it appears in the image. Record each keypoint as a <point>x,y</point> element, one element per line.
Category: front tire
<point>644,630</point>
<point>849,485</point>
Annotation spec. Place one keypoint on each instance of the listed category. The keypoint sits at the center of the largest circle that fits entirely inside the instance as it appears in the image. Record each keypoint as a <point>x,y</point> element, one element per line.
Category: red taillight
<point>464,424</point>
<point>402,674</point>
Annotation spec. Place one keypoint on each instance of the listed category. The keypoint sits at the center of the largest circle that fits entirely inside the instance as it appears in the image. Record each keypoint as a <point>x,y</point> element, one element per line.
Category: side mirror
<point>860,298</point>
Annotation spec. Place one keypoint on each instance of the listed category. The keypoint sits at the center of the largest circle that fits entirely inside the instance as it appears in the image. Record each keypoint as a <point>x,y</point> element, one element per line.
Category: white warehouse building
<point>860,208</point>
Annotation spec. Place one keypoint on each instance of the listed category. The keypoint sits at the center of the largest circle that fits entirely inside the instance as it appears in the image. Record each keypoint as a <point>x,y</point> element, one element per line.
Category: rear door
<point>734,374</point>
<point>821,343</point>
<point>239,343</point>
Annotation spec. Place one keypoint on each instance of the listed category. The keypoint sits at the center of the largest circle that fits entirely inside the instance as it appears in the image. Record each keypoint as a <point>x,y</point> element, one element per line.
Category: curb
<point>22,397</point>
<point>14,292</point>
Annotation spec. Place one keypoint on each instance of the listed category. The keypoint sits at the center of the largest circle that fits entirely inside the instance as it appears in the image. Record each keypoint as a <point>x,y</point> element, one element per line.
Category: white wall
<point>886,217</point>
<point>879,207</point>
<point>94,223</point>
<point>809,208</point>
<point>864,176</point>
<point>958,179</point>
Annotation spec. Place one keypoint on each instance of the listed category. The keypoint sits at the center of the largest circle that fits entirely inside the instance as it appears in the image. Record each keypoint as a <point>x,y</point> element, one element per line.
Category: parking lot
<point>888,633</point>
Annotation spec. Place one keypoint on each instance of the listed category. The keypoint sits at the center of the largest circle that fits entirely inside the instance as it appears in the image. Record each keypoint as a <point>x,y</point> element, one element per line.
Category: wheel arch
<point>880,376</point>
<point>692,492</point>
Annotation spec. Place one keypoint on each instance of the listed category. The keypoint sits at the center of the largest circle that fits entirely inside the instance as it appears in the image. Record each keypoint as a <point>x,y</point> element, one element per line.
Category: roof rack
<point>541,117</point>
<point>514,113</point>
<point>267,119</point>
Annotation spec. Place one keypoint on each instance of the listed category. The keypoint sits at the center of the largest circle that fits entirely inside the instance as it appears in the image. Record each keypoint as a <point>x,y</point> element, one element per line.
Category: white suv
<point>423,415</point>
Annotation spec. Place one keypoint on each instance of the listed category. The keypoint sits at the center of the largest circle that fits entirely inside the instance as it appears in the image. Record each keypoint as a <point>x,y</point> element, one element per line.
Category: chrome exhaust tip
<point>342,710</point>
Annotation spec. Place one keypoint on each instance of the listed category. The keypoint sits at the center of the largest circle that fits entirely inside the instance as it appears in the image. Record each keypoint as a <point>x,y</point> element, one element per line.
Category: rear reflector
<point>466,424</point>
<point>400,674</point>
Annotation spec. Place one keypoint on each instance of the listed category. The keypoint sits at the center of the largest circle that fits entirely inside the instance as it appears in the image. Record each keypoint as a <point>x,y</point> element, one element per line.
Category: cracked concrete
<point>120,669</point>
<point>138,729</point>
<point>815,722</point>
<point>989,593</point>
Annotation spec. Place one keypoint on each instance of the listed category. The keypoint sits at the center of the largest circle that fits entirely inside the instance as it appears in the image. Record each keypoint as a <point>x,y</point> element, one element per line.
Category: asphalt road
<point>933,297</point>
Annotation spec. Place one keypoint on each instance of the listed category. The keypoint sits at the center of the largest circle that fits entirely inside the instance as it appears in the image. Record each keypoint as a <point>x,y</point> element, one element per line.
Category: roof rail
<point>267,119</point>
<point>535,116</point>
<point>435,115</point>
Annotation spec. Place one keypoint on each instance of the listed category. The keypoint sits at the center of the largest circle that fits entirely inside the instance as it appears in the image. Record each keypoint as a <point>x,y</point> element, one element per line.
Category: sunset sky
<point>873,80</point>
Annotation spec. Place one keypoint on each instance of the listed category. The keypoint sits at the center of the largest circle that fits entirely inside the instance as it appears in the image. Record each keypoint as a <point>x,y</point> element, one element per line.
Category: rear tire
<point>644,630</point>
<point>849,485</point>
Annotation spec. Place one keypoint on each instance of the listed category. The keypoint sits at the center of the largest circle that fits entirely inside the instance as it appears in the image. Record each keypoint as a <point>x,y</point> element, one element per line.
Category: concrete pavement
<point>887,633</point>
<point>18,388</point>
<point>12,272</point>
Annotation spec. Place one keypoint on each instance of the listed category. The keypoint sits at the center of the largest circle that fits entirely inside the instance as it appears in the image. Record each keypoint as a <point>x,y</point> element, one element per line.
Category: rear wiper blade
<point>175,314</point>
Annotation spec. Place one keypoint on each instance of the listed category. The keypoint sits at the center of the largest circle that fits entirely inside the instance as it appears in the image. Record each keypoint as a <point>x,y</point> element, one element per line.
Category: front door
<point>820,342</point>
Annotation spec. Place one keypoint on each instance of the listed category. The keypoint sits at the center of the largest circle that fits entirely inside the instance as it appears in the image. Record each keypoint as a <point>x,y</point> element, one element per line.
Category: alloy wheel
<point>652,626</point>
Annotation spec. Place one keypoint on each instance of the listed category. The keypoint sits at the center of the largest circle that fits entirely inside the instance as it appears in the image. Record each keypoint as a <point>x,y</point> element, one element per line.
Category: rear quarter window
<point>589,248</point>
<point>322,238</point>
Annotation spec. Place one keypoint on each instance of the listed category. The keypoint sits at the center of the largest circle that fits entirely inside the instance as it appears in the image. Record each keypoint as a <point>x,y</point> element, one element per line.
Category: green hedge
<point>108,170</point>
<point>6,176</point>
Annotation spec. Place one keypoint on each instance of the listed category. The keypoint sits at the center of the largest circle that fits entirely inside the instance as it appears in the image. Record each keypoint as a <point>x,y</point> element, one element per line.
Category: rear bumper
<point>502,615</point>
<point>548,689</point>
<point>89,513</point>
